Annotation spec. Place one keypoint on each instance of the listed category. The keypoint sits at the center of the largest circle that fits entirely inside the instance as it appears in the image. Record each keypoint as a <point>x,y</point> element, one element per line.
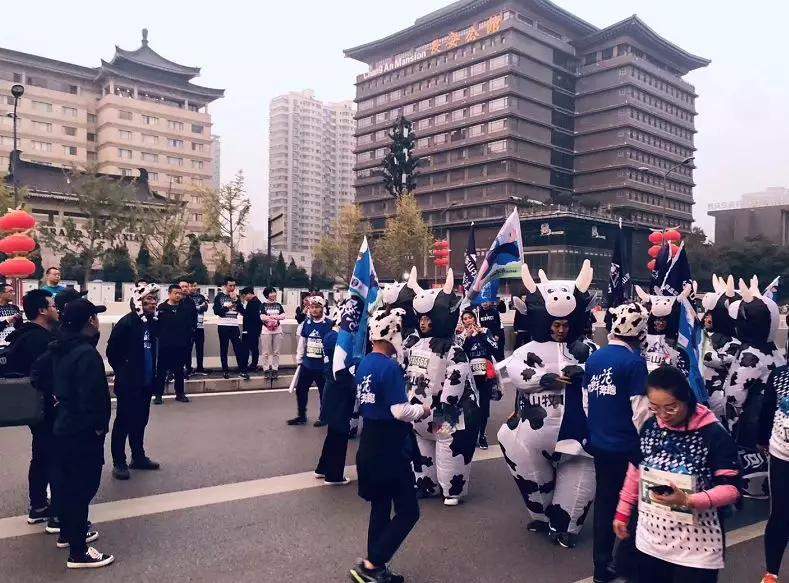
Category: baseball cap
<point>67,295</point>
<point>77,313</point>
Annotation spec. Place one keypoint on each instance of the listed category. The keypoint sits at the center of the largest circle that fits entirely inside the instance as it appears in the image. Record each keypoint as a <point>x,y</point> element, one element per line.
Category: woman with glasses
<point>687,472</point>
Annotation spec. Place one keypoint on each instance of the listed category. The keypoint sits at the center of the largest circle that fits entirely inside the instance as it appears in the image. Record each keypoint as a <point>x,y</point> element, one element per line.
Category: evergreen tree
<point>257,268</point>
<point>117,265</point>
<point>296,276</point>
<point>72,267</point>
<point>195,267</point>
<point>280,272</point>
<point>239,269</point>
<point>400,165</point>
<point>143,263</point>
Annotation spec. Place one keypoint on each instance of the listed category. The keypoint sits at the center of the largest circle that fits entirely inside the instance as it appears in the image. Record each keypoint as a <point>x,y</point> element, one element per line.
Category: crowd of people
<point>616,430</point>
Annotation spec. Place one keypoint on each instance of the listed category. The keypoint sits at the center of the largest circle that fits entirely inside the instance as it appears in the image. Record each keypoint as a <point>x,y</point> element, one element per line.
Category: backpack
<point>7,369</point>
<point>20,403</point>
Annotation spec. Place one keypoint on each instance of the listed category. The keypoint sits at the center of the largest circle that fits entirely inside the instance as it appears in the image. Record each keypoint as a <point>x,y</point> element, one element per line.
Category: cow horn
<point>642,294</point>
<point>413,282</point>
<point>543,278</point>
<point>755,287</point>
<point>528,280</point>
<point>584,279</point>
<point>745,292</point>
<point>730,286</point>
<point>716,284</point>
<point>449,284</point>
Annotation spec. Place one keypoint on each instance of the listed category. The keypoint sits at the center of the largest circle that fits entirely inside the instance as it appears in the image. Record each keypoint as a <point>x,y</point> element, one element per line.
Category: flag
<point>470,261</point>
<point>676,274</point>
<point>489,293</point>
<point>363,291</point>
<point>770,290</point>
<point>620,288</point>
<point>662,262</point>
<point>504,258</point>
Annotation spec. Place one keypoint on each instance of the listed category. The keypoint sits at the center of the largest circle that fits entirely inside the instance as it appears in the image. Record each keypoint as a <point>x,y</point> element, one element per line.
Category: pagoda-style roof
<point>44,181</point>
<point>147,57</point>
<point>26,59</point>
<point>454,12</point>
<point>639,30</point>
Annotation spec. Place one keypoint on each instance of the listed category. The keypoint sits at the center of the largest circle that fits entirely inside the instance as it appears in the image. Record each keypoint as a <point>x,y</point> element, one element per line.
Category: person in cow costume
<point>543,441</point>
<point>438,372</point>
<point>718,346</point>
<point>660,346</point>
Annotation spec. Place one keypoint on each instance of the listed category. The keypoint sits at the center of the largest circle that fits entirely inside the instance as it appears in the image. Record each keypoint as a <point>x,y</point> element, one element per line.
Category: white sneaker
<point>91,560</point>
<point>451,501</point>
<point>91,536</point>
<point>342,482</point>
<point>318,476</point>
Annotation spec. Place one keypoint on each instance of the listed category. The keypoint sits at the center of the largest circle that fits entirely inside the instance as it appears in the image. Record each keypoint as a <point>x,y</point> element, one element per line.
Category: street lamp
<point>17,91</point>
<point>665,185</point>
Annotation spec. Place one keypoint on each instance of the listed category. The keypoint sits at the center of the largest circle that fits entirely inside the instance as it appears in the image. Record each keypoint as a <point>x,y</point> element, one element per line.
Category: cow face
<point>441,304</point>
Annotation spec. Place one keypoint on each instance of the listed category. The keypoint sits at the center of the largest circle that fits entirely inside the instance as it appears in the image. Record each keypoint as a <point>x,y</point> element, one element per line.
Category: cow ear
<point>584,279</point>
<point>413,281</point>
<point>745,292</point>
<point>528,280</point>
<point>450,281</point>
<point>543,278</point>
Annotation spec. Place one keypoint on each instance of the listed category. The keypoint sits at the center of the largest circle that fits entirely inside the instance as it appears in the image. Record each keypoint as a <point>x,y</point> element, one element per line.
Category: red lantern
<point>656,238</point>
<point>674,250</point>
<point>651,265</point>
<point>16,220</point>
<point>654,251</point>
<point>673,236</point>
<point>17,245</point>
<point>17,267</point>
<point>443,262</point>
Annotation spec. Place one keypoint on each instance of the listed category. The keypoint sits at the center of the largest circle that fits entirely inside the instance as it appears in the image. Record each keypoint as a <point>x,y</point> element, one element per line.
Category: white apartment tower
<point>310,166</point>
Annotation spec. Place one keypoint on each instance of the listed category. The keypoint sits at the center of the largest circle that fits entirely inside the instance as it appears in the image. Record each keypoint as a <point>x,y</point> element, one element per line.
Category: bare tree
<point>227,212</point>
<point>335,254</point>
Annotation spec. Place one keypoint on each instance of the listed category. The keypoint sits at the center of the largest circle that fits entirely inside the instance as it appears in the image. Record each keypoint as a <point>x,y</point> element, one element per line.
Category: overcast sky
<point>259,50</point>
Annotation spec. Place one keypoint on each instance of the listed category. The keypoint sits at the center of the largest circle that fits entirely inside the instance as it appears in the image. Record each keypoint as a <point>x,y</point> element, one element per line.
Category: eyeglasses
<point>672,409</point>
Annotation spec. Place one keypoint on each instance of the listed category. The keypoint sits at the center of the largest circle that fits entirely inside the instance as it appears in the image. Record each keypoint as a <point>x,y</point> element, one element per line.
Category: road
<point>235,501</point>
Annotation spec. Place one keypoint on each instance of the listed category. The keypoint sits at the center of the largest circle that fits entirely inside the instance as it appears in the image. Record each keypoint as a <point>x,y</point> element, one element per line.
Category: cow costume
<point>438,372</point>
<point>660,345</point>
<point>543,441</point>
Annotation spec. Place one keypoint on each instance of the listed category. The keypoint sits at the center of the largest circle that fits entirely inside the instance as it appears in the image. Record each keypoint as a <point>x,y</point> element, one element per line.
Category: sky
<point>258,50</point>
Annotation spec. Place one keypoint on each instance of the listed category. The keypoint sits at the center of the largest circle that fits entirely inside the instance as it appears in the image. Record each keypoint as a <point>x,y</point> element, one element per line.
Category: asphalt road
<point>300,533</point>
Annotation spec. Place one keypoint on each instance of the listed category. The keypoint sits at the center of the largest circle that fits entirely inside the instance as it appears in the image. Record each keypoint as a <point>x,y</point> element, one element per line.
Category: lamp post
<point>17,91</point>
<point>665,185</point>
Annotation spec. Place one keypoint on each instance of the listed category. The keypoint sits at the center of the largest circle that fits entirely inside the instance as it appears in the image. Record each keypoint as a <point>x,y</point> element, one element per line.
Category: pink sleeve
<point>628,496</point>
<point>717,496</point>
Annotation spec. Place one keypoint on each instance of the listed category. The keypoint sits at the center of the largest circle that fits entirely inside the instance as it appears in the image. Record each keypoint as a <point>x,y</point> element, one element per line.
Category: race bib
<point>314,348</point>
<point>479,366</point>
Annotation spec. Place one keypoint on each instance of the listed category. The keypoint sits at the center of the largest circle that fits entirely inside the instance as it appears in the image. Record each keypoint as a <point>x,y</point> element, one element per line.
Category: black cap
<point>67,295</point>
<point>78,312</point>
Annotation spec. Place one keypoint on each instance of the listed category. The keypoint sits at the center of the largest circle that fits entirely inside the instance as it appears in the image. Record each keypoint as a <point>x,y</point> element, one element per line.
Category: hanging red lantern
<point>651,265</point>
<point>654,251</point>
<point>673,236</point>
<point>674,250</point>
<point>442,262</point>
<point>17,245</point>
<point>17,267</point>
<point>17,220</point>
<point>656,238</point>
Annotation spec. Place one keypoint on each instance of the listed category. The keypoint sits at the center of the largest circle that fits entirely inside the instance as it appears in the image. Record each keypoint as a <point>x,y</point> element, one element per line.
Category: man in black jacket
<point>201,305</point>
<point>131,350</point>
<point>176,322</point>
<point>227,305</point>
<point>82,419</point>
<point>28,343</point>
<point>252,327</point>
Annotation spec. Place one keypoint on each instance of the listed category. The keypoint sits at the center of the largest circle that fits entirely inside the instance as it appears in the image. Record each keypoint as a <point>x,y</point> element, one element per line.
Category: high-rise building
<point>310,166</point>
<point>763,215</point>
<point>516,101</point>
<point>138,110</point>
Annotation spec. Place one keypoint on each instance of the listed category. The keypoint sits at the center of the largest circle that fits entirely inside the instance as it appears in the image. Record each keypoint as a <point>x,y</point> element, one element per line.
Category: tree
<point>227,212</point>
<point>222,270</point>
<point>164,230</point>
<point>102,200</point>
<point>257,268</point>
<point>296,276</point>
<point>117,265</point>
<point>72,267</point>
<point>279,272</point>
<point>195,267</point>
<point>406,240</point>
<point>143,262</point>
<point>400,165</point>
<point>335,255</point>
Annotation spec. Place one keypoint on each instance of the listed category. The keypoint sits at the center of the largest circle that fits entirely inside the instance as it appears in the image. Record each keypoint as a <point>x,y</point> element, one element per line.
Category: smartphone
<point>662,489</point>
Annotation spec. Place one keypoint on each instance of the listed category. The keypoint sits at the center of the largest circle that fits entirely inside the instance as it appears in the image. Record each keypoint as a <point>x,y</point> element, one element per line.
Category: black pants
<point>332,461</point>
<point>42,467</point>
<point>171,359</point>
<point>80,458</point>
<point>231,334</point>
<point>306,378</point>
<point>251,348</point>
<point>131,418</point>
<point>610,470</point>
<point>198,343</point>
<point>485,388</point>
<point>386,533</point>
<point>500,341</point>
<point>654,570</point>
<point>776,534</point>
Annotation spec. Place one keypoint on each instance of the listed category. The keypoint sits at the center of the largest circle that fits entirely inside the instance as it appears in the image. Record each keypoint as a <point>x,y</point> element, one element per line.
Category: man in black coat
<point>131,351</point>
<point>227,305</point>
<point>177,321</point>
<point>251,327</point>
<point>27,343</point>
<point>82,418</point>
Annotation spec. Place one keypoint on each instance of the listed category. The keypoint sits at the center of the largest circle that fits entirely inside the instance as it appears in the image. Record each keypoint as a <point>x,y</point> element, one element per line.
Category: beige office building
<point>138,110</point>
<point>310,167</point>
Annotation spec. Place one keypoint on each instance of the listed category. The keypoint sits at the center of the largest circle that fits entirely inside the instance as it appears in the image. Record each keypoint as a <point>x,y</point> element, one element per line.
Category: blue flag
<point>352,336</point>
<point>504,259</point>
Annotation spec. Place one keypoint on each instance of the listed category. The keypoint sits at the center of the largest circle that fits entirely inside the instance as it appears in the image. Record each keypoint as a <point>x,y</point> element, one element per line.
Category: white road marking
<point>133,507</point>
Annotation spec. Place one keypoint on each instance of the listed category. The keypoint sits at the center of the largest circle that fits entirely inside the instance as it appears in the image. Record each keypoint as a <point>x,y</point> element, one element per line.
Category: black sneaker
<point>225,375</point>
<point>297,421</point>
<point>538,526</point>
<point>90,536</point>
<point>182,398</point>
<point>145,463</point>
<point>39,515</point>
<point>90,560</point>
<point>483,442</point>
<point>157,400</point>
<point>244,375</point>
<point>53,525</point>
<point>319,423</point>
<point>606,576</point>
<point>564,539</point>
<point>361,574</point>
<point>121,472</point>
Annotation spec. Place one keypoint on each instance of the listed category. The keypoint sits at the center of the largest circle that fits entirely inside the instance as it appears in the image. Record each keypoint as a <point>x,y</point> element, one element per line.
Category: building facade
<point>760,214</point>
<point>138,110</point>
<point>521,100</point>
<point>216,162</point>
<point>310,167</point>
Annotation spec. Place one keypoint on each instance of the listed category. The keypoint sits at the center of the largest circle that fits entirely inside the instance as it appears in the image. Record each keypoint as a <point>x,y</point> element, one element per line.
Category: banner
<point>620,288</point>
<point>504,258</point>
<point>470,261</point>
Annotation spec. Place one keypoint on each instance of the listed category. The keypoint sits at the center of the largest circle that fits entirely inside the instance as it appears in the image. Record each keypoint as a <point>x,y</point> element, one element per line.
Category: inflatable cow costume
<point>543,441</point>
<point>660,346</point>
<point>438,372</point>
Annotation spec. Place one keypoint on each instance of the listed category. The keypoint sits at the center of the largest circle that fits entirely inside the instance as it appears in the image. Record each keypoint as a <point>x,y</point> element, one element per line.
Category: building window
<point>498,146</point>
<point>149,157</point>
<point>92,157</point>
<point>174,161</point>
<point>477,109</point>
<point>175,125</point>
<point>150,120</point>
<point>498,62</point>
<point>497,83</point>
<point>125,135</point>
<point>70,150</point>
<point>477,89</point>
<point>459,74</point>
<point>497,125</point>
<point>69,111</point>
<point>42,126</point>
<point>69,131</point>
<point>126,172</point>
<point>18,77</point>
<point>478,68</point>
<point>175,143</point>
<point>150,139</point>
<point>441,99</point>
<point>475,131</point>
<point>153,177</point>
<point>175,179</point>
<point>42,106</point>
<point>41,146</point>
<point>124,114</point>
<point>197,164</point>
<point>197,128</point>
<point>73,89</point>
<point>498,104</point>
<point>124,154</point>
<point>91,137</point>
<point>91,118</point>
